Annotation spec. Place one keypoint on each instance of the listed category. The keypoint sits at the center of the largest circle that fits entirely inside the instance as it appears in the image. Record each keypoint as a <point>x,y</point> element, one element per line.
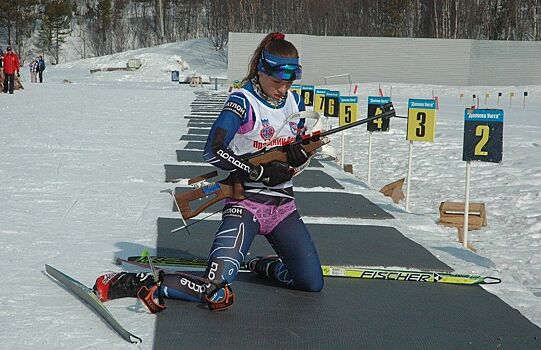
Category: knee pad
<point>218,294</point>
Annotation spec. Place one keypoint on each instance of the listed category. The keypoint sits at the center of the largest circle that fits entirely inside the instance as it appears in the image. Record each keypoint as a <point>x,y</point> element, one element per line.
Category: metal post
<point>467,205</point>
<point>410,160</point>
<point>343,149</point>
<point>369,157</point>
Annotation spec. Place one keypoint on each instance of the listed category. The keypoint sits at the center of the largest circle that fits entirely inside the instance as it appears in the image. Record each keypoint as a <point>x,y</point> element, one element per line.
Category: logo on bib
<point>294,127</point>
<point>267,131</point>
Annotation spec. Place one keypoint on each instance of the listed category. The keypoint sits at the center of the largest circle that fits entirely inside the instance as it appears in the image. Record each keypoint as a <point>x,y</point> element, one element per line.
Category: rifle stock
<point>216,192</point>
<point>231,188</point>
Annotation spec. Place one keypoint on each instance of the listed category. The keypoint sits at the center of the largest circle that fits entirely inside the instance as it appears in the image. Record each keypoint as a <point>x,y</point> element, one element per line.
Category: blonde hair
<point>275,44</point>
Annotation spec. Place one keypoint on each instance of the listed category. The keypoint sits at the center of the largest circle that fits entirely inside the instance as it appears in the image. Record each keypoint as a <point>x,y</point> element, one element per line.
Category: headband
<point>276,61</point>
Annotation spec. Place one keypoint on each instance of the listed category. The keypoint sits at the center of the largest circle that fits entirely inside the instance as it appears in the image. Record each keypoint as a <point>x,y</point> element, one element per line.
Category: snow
<point>81,169</point>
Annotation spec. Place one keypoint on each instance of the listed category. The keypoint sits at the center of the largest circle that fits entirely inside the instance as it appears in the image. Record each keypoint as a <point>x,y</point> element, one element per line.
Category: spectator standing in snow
<point>33,66</point>
<point>41,68</point>
<point>11,67</point>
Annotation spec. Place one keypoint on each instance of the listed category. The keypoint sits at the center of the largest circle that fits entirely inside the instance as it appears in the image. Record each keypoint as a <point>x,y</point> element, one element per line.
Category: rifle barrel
<point>387,114</point>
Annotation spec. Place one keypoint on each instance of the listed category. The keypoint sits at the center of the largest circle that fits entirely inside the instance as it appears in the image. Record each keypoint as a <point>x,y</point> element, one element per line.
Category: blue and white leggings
<point>241,221</point>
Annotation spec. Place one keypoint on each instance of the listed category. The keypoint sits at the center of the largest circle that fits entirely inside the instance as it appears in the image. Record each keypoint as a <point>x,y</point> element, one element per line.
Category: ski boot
<point>123,284</point>
<point>220,297</point>
<point>264,266</point>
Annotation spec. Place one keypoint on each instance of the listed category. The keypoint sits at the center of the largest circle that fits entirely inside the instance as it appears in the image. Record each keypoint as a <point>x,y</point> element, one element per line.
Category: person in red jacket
<point>11,66</point>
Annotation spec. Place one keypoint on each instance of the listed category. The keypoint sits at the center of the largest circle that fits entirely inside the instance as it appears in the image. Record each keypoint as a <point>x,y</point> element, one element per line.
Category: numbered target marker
<point>319,100</point>
<point>374,104</point>
<point>421,120</point>
<point>332,104</point>
<point>296,88</point>
<point>307,94</point>
<point>483,135</point>
<point>349,107</point>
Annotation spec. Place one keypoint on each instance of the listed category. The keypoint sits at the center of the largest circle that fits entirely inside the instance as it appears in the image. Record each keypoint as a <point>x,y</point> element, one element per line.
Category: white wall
<point>402,60</point>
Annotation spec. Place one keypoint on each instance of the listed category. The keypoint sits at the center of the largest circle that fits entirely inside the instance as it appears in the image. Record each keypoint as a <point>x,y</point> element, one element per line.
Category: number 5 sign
<point>348,110</point>
<point>421,120</point>
<point>483,135</point>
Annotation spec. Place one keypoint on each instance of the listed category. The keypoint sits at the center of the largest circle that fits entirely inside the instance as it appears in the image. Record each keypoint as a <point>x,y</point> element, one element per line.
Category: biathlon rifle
<point>229,188</point>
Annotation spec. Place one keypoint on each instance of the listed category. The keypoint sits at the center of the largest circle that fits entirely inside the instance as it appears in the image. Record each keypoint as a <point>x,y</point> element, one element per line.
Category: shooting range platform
<point>199,138</point>
<point>348,313</point>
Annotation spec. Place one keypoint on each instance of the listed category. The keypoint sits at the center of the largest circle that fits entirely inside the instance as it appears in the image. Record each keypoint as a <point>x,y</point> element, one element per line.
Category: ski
<point>363,272</point>
<point>87,295</point>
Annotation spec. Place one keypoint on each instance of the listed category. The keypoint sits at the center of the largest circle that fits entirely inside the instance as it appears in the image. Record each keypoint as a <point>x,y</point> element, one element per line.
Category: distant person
<point>41,68</point>
<point>1,69</point>
<point>33,67</point>
<point>11,67</point>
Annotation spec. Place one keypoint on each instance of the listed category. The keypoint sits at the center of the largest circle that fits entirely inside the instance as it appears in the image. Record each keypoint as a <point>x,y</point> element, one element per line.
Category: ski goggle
<point>282,68</point>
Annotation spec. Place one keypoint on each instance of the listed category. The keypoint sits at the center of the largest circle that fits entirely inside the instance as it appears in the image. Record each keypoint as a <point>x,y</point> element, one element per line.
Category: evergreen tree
<point>55,26</point>
<point>104,16</point>
<point>16,21</point>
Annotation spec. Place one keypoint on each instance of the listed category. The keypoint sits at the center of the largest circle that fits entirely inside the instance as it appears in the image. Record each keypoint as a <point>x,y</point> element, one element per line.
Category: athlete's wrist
<point>256,173</point>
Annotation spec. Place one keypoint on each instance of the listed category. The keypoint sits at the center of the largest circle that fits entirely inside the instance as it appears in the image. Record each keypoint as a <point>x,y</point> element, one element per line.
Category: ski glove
<point>271,174</point>
<point>296,155</point>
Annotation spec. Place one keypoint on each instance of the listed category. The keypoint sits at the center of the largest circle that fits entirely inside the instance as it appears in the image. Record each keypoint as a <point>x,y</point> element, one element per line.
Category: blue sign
<point>483,135</point>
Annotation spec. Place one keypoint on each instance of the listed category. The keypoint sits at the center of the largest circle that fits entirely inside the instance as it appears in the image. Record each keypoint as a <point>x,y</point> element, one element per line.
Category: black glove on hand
<point>18,75</point>
<point>296,155</point>
<point>272,174</point>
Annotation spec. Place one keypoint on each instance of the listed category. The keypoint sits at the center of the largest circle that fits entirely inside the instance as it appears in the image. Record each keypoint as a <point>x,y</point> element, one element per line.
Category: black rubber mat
<point>195,145</point>
<point>198,117</point>
<point>213,113</point>
<point>198,131</point>
<point>174,172</point>
<point>197,156</point>
<point>189,156</point>
<point>200,138</point>
<point>207,108</point>
<point>338,204</point>
<point>217,103</point>
<point>348,313</point>
<point>192,155</point>
<point>210,114</point>
<point>308,178</point>
<point>333,241</point>
<point>207,121</point>
<point>314,163</point>
<point>199,124</point>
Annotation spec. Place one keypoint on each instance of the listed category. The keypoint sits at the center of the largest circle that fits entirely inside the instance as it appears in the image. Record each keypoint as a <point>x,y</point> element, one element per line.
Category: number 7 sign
<point>483,135</point>
<point>421,120</point>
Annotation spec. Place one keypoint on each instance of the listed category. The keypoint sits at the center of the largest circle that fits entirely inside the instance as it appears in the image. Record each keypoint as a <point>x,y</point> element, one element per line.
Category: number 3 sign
<point>421,120</point>
<point>483,135</point>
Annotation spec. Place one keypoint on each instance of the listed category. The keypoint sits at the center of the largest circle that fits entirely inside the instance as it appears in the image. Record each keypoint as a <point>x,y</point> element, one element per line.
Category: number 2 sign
<point>421,120</point>
<point>483,135</point>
